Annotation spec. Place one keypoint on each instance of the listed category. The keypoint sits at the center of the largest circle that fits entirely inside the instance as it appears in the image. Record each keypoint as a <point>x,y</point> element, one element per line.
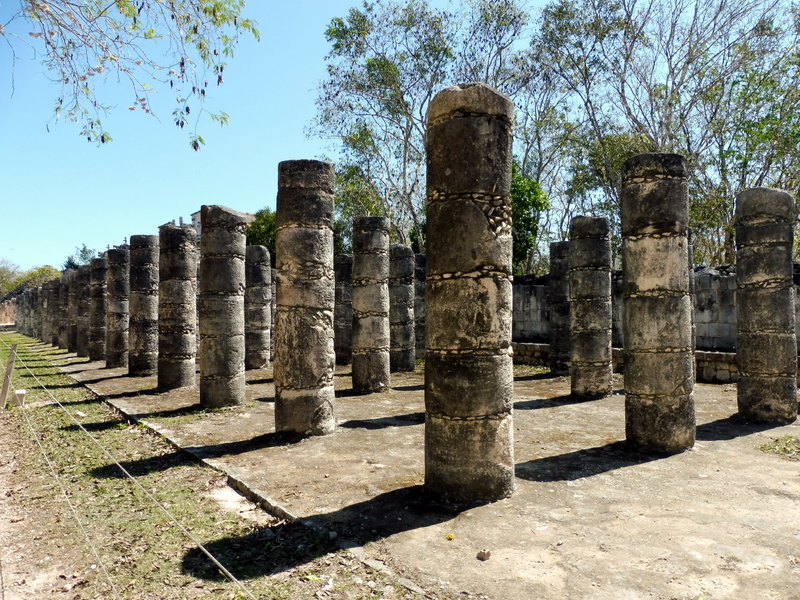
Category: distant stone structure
<point>72,310</point>
<point>590,307</point>
<point>419,303</point>
<point>84,302</point>
<point>401,308</point>
<point>469,430</point>
<point>766,343</point>
<point>177,336</point>
<point>371,304</point>
<point>657,326</point>
<point>304,356</point>
<point>257,307</point>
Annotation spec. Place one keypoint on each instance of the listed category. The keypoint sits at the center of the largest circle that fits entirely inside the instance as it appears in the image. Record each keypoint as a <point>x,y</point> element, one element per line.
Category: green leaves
<point>175,43</point>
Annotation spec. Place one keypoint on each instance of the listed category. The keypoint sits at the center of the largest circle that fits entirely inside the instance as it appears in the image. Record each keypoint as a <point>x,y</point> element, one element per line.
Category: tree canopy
<point>593,82</point>
<point>83,255</point>
<point>179,44</point>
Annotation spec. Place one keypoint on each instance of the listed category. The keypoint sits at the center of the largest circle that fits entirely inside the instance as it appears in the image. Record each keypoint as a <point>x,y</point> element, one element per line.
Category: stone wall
<point>8,311</point>
<point>531,321</point>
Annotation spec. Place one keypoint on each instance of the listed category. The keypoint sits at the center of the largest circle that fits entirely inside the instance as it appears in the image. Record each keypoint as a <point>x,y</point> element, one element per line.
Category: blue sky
<point>59,192</point>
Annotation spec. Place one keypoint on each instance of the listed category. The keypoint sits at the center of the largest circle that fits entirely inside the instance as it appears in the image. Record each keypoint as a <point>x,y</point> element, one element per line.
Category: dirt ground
<point>590,519</point>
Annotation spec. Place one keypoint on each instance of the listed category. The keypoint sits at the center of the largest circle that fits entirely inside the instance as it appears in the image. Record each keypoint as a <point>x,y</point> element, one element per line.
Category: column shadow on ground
<point>538,403</point>
<point>583,463</point>
<point>730,428</point>
<point>270,550</point>
<point>417,418</point>
<point>155,464</point>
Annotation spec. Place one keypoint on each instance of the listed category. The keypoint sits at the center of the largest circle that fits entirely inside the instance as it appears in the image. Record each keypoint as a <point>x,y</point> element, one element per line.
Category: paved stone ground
<point>589,519</point>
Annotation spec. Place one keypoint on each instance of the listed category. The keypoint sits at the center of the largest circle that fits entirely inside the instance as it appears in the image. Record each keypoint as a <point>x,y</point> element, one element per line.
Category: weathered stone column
<point>222,285</point>
<point>766,348</point>
<point>370,304</point>
<point>63,311</point>
<point>469,430</point>
<point>177,337</point>
<point>560,338</point>
<point>41,311</point>
<point>343,308</point>
<point>143,336</point>
<point>72,310</point>
<point>118,289</point>
<point>304,357</point>
<point>53,311</point>
<point>84,303</point>
<point>657,310</point>
<point>420,272</point>
<point>590,307</point>
<point>97,309</point>
<point>257,307</point>
<point>401,308</point>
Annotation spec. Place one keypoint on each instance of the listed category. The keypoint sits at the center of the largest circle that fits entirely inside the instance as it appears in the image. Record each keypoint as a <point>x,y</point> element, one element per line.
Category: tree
<point>9,272</point>
<point>261,232</point>
<point>706,80</point>
<point>82,256</point>
<point>387,61</point>
<point>180,43</point>
<point>527,203</point>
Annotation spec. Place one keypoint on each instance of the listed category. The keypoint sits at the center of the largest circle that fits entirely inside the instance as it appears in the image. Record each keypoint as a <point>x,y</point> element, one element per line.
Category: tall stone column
<point>143,335</point>
<point>304,356</point>
<point>257,307</point>
<point>63,311</point>
<point>420,271</point>
<point>118,289</point>
<point>222,285</point>
<point>657,310</point>
<point>177,337</point>
<point>53,311</point>
<point>72,310</point>
<point>97,309</point>
<point>766,347</point>
<point>41,310</point>
<point>469,380</point>
<point>590,307</point>
<point>343,308</point>
<point>84,303</point>
<point>370,304</point>
<point>401,308</point>
<point>560,337</point>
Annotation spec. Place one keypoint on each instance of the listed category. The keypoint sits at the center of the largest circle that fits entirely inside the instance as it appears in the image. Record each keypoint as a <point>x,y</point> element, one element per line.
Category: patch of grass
<point>788,446</point>
<point>523,370</point>
<point>144,552</point>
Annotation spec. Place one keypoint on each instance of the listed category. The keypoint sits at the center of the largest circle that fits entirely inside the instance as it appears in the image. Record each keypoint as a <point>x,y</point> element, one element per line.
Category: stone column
<point>53,312</point>
<point>41,310</point>
<point>63,311</point>
<point>766,348</point>
<point>401,308</point>
<point>118,289</point>
<point>343,308</point>
<point>560,338</point>
<point>257,307</point>
<point>419,304</point>
<point>469,380</point>
<point>84,302</point>
<point>657,309</point>
<point>222,285</point>
<point>304,356</point>
<point>143,336</point>
<point>370,304</point>
<point>97,309</point>
<point>590,307</point>
<point>72,310</point>
<point>177,338</point>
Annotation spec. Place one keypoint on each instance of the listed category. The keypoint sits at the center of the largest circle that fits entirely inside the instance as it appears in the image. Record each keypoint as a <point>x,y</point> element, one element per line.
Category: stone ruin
<point>137,307</point>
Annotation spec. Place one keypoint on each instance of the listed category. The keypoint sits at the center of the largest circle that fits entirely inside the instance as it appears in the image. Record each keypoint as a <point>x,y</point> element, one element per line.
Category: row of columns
<point>469,375</point>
